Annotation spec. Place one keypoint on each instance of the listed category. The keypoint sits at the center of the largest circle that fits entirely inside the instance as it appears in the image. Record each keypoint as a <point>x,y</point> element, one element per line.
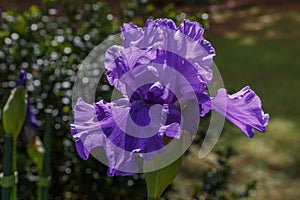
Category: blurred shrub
<point>140,10</point>
<point>49,42</point>
<point>214,183</point>
<point>183,2</point>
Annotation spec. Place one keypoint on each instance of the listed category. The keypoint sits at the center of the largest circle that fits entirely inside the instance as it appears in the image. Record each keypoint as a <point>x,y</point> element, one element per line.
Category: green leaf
<point>14,112</point>
<point>157,181</point>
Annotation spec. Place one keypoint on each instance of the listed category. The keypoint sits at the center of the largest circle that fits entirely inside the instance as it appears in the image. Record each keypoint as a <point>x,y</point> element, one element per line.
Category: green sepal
<point>157,181</point>
<point>14,112</point>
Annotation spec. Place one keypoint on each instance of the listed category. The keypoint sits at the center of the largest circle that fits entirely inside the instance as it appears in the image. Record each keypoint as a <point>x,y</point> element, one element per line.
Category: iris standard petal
<point>135,66</point>
<point>119,61</point>
<point>186,41</point>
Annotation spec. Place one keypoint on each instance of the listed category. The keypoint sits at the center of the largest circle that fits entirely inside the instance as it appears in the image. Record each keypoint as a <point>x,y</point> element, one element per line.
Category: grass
<point>265,59</point>
<point>261,49</point>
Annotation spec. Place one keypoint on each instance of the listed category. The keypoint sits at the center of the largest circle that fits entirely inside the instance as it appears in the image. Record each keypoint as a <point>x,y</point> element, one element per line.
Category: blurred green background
<point>257,44</point>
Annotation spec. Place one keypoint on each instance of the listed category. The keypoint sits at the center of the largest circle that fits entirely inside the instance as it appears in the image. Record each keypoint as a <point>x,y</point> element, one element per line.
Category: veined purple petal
<point>173,114</point>
<point>154,93</point>
<point>195,31</point>
<point>89,135</point>
<point>243,109</point>
<point>192,29</point>
<point>96,126</point>
<point>86,129</point>
<point>166,23</point>
<point>139,112</point>
<point>186,41</point>
<point>119,61</point>
<point>129,136</point>
<point>161,42</point>
<point>142,65</point>
<point>184,68</point>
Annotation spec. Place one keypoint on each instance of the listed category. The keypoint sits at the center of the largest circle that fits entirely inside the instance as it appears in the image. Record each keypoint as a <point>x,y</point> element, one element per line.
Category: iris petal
<point>96,126</point>
<point>187,41</point>
<point>243,109</point>
<point>119,61</point>
<point>130,33</point>
<point>89,135</point>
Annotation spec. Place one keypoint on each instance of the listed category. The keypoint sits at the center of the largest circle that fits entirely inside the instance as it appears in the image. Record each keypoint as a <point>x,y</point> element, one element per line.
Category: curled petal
<point>243,109</point>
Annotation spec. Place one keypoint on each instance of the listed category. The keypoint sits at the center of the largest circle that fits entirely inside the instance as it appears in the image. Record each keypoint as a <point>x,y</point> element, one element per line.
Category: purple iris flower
<point>30,126</point>
<point>152,70</point>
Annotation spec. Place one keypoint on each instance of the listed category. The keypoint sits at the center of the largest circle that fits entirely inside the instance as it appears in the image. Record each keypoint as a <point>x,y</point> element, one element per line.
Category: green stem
<point>6,191</point>
<point>40,188</point>
<point>14,168</point>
